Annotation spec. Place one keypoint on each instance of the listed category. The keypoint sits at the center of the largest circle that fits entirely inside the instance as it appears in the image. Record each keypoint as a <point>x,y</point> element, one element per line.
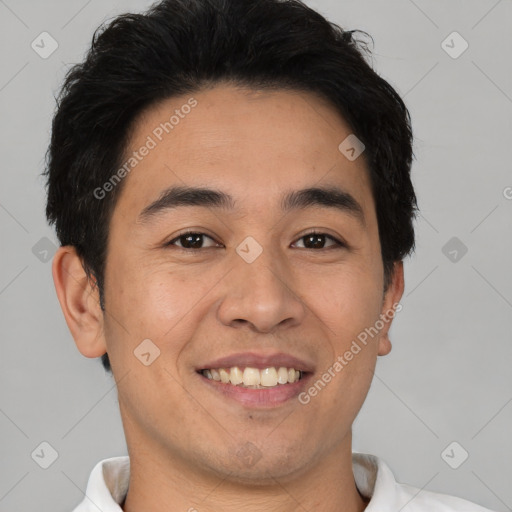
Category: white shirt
<point>108,485</point>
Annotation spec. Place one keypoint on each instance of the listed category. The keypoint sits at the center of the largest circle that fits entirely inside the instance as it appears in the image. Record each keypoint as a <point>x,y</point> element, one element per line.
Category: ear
<point>79,300</point>
<point>390,306</point>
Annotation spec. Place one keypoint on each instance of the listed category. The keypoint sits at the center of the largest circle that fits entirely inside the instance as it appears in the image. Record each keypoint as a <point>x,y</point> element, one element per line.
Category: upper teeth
<point>253,377</point>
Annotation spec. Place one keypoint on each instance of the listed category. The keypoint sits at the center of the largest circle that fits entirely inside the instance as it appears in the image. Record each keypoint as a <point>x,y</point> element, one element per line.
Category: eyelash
<point>339,243</point>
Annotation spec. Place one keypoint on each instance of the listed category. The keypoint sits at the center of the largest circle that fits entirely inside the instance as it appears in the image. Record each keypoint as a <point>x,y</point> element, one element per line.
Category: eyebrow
<point>178,196</point>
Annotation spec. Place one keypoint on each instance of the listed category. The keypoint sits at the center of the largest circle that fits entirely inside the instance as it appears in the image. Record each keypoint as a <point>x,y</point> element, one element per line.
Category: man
<point>230,183</point>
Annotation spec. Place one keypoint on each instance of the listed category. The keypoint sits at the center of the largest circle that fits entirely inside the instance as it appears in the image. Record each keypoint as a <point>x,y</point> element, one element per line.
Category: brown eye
<point>317,241</point>
<point>191,240</point>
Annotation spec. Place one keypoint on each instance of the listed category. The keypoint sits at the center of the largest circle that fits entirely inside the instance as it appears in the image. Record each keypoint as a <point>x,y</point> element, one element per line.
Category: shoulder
<point>107,486</point>
<point>413,499</point>
<point>376,481</point>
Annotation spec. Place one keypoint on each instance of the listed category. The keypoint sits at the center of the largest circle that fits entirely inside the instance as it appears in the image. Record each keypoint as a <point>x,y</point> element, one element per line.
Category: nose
<point>261,295</point>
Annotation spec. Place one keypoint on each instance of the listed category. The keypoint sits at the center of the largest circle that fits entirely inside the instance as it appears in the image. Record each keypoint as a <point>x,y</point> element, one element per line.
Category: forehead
<point>252,144</point>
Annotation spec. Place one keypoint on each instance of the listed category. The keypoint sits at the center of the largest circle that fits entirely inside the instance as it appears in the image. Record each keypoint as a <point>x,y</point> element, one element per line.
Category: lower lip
<point>263,398</point>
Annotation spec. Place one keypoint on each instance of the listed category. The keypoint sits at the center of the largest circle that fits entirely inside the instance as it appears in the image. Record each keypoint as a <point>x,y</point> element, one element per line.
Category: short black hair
<point>180,47</point>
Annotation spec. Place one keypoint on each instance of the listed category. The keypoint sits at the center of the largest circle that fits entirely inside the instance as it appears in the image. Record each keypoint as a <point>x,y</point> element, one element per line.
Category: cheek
<point>142,294</point>
<point>155,303</point>
<point>349,300</point>
<point>353,309</point>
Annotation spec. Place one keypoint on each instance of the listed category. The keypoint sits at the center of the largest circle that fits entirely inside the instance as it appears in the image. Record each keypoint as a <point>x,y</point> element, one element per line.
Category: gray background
<point>448,377</point>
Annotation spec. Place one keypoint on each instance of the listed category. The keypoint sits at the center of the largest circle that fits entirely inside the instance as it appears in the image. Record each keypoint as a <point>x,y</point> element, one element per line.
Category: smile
<point>253,378</point>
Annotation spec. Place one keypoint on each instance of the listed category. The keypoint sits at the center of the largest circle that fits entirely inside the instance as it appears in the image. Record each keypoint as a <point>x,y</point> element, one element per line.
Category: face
<point>261,283</point>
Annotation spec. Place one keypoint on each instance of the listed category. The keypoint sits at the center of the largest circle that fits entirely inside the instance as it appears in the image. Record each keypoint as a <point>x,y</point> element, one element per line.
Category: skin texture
<point>183,438</point>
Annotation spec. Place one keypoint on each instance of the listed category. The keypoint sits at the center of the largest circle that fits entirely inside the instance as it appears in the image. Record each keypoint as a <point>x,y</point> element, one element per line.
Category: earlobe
<point>79,300</point>
<point>389,307</point>
<point>384,345</point>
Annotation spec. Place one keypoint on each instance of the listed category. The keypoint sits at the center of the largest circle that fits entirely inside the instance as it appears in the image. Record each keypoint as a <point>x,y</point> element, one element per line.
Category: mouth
<point>256,379</point>
<point>256,388</point>
<point>253,378</point>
